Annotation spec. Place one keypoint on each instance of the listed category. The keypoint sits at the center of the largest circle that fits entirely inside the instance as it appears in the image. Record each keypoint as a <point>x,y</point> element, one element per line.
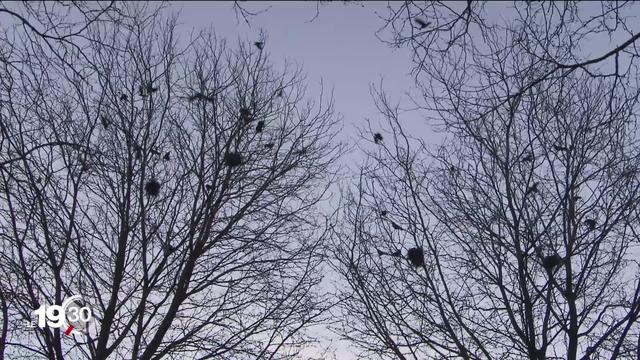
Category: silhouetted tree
<point>219,262</point>
<point>511,268</point>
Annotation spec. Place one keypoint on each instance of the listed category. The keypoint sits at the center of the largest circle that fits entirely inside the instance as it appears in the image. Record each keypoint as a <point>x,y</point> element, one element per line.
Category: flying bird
<point>260,126</point>
<point>416,256</point>
<point>377,138</point>
<point>421,23</point>
<point>152,188</point>
<point>233,159</point>
<point>259,44</point>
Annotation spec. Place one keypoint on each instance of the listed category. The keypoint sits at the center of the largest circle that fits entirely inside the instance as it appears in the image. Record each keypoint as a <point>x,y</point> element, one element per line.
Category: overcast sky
<point>338,47</point>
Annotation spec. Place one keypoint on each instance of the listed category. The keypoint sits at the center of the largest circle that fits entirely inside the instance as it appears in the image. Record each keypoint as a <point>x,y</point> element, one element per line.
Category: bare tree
<point>558,37</point>
<point>517,238</point>
<point>186,215</point>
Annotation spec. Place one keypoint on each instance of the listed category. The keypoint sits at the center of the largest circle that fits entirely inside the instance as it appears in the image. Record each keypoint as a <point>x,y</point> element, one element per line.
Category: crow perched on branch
<point>591,223</point>
<point>260,126</point>
<point>421,23</point>
<point>527,158</point>
<point>560,148</point>
<point>396,253</point>
<point>245,115</point>
<point>105,121</point>
<point>377,138</point>
<point>138,150</point>
<point>259,45</point>
<point>269,145</point>
<point>396,226</point>
<point>533,189</point>
<point>167,156</point>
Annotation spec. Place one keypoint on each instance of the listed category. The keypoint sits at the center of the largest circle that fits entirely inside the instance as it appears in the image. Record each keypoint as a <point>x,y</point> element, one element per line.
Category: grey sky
<point>339,47</point>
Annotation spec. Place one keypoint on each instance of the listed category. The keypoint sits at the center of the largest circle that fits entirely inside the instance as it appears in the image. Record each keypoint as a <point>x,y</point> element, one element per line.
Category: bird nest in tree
<point>233,159</point>
<point>416,256</point>
<point>152,188</point>
<point>551,261</point>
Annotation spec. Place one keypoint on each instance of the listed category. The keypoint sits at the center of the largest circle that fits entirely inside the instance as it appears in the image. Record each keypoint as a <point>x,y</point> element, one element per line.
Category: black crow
<point>169,249</point>
<point>124,97</point>
<point>105,121</point>
<point>196,96</point>
<point>142,90</point>
<point>152,187</point>
<point>533,189</point>
<point>527,158</point>
<point>280,92</point>
<point>416,256</point>
<point>245,115</point>
<point>377,138</point>
<point>167,156</point>
<point>396,226</point>
<point>421,23</point>
<point>233,159</point>
<point>383,213</point>
<point>591,223</point>
<point>259,44</point>
<point>138,150</point>
<point>396,253</point>
<point>269,145</point>
<point>260,126</point>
